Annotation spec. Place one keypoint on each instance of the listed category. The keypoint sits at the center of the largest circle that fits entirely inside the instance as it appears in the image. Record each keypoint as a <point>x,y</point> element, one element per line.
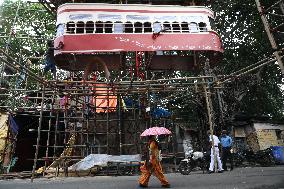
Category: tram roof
<point>137,8</point>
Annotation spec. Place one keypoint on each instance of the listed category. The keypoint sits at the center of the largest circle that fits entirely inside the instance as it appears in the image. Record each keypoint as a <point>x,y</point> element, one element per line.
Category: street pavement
<point>239,178</point>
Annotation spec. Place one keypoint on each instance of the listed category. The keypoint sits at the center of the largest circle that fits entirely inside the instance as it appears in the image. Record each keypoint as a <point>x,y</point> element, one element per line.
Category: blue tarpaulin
<point>160,112</point>
<point>155,112</point>
<point>278,154</point>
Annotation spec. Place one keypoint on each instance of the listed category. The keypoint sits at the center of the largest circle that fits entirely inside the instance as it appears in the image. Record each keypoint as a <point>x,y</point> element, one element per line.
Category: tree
<point>24,29</point>
<point>245,43</point>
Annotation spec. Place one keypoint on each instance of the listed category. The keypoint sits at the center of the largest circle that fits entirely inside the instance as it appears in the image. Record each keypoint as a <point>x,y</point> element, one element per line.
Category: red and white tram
<point>90,30</point>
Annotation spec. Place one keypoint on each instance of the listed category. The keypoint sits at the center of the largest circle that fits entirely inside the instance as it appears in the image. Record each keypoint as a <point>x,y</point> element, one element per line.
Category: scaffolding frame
<point>142,88</point>
<point>79,93</point>
<point>76,89</point>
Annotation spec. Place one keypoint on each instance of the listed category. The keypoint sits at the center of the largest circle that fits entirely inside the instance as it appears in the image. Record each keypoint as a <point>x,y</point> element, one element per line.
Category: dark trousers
<point>226,153</point>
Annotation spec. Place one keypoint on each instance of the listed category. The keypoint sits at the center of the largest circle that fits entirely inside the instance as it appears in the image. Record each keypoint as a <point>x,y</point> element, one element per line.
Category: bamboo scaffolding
<point>55,135</point>
<point>270,35</point>
<point>119,124</point>
<point>233,76</point>
<point>79,91</point>
<point>38,138</point>
<point>278,26</point>
<point>20,68</point>
<point>3,65</point>
<point>75,90</point>
<point>272,6</point>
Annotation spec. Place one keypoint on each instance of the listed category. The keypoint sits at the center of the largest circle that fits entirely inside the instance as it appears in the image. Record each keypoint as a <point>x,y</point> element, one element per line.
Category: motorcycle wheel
<point>184,169</point>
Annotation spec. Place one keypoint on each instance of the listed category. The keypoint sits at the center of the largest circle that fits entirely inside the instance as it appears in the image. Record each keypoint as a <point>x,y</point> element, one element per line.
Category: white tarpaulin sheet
<point>101,160</point>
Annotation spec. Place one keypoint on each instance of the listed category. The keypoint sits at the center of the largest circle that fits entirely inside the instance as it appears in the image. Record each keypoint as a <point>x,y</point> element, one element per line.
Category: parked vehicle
<point>265,157</point>
<point>194,160</point>
<point>248,157</point>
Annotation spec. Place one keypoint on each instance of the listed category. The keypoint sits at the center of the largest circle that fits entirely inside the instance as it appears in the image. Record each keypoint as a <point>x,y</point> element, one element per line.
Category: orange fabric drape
<point>104,98</point>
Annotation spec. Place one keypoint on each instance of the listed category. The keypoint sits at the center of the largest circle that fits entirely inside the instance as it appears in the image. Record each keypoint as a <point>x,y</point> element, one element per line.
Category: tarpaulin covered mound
<point>102,160</point>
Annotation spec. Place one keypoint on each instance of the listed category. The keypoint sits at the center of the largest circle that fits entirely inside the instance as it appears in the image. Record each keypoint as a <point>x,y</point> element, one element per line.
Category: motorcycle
<point>262,157</point>
<point>265,157</point>
<point>192,161</point>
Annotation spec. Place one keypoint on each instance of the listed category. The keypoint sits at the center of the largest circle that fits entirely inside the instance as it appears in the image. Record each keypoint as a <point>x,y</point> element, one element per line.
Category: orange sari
<point>155,166</point>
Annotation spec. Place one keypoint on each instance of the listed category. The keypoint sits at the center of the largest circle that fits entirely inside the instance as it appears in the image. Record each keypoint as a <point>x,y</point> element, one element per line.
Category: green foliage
<point>245,41</point>
<point>29,24</point>
<point>258,93</point>
<point>24,29</point>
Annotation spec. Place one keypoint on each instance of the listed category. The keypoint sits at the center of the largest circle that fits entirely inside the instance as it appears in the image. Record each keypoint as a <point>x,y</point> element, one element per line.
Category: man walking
<point>226,142</point>
<point>216,143</point>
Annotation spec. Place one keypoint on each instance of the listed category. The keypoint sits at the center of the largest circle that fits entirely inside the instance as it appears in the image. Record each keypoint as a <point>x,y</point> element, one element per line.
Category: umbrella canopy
<point>156,131</point>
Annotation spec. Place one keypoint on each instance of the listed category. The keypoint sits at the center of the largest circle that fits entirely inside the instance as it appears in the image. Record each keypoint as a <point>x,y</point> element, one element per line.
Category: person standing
<point>216,143</point>
<point>49,58</point>
<point>226,142</point>
<point>153,166</point>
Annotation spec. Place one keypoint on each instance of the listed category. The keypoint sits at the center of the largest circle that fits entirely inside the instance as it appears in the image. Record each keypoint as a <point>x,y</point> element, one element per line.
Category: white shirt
<point>216,140</point>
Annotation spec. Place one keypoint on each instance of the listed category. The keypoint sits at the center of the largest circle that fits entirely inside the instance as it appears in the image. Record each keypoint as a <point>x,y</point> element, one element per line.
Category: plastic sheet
<point>278,154</point>
<point>102,160</point>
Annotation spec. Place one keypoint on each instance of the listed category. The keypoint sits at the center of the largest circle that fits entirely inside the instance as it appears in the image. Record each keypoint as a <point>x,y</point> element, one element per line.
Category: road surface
<point>239,178</point>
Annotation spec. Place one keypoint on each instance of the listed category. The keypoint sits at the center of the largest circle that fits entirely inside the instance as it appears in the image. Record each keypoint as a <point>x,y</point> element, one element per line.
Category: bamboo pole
<point>119,123</point>
<point>272,6</point>
<point>270,36</point>
<point>38,136</point>
<point>20,68</point>
<point>48,133</point>
<point>248,71</point>
<point>95,123</point>
<point>208,98</point>
<point>107,115</point>
<point>47,142</point>
<point>55,135</point>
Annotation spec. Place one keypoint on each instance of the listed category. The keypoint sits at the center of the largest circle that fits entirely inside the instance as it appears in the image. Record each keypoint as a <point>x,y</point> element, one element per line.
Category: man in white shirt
<point>216,144</point>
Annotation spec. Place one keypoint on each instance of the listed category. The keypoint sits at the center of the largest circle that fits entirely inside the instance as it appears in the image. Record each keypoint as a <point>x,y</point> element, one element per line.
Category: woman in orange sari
<point>153,166</point>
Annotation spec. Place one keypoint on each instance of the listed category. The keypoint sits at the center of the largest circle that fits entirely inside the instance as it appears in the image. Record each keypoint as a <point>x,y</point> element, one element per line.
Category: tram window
<point>193,27</point>
<point>137,17</point>
<point>118,27</point>
<point>99,27</point>
<point>202,27</point>
<point>109,17</point>
<point>184,27</point>
<point>165,18</point>
<point>70,27</point>
<point>80,26</point>
<point>167,27</point>
<point>108,27</point>
<point>90,27</point>
<point>147,27</point>
<point>138,27</point>
<point>81,16</point>
<point>176,27</point>
<point>157,27</point>
<point>128,27</point>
